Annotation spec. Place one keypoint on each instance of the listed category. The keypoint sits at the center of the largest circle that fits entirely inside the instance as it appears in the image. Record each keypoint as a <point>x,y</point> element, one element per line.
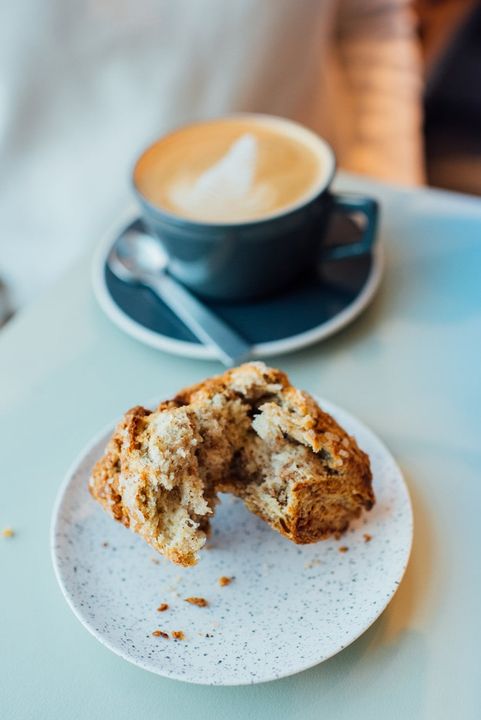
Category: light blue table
<point>410,368</point>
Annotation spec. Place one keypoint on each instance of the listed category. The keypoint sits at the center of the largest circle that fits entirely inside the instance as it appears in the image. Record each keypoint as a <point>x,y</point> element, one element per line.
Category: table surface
<point>409,368</point>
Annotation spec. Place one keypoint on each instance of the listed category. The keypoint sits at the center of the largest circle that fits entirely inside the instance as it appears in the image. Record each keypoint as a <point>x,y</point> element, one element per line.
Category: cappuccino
<point>234,170</point>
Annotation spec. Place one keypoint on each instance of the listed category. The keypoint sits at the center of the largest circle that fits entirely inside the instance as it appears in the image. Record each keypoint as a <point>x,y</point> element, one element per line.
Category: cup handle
<point>351,205</point>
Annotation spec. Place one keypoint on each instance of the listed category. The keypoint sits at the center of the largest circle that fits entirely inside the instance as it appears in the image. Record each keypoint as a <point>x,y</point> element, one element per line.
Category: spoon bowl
<point>135,255</point>
<point>138,259</point>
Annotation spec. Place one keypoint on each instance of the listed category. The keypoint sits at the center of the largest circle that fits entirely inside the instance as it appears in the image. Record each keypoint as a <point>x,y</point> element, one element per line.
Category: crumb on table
<point>224,580</point>
<point>199,601</point>
<point>8,533</point>
<point>163,607</point>
<point>160,633</point>
<point>312,563</point>
<point>155,561</point>
<point>178,635</point>
<point>105,544</point>
<point>367,537</point>
<point>343,549</point>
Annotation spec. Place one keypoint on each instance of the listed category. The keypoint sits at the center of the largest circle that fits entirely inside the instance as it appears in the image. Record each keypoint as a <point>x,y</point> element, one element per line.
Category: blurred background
<point>394,85</point>
<point>450,33</point>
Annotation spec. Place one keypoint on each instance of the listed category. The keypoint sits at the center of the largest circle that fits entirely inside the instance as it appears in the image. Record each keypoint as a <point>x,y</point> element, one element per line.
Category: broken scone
<point>247,432</point>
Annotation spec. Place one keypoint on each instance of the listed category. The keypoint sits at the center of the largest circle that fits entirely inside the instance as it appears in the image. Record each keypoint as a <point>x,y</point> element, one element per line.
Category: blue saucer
<point>312,309</point>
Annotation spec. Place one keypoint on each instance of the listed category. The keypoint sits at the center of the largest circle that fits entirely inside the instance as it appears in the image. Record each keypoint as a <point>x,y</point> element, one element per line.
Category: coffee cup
<point>241,204</point>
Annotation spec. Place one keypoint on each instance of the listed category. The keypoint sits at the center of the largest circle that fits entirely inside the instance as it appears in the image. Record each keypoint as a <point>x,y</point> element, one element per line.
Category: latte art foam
<point>233,170</point>
<point>228,188</point>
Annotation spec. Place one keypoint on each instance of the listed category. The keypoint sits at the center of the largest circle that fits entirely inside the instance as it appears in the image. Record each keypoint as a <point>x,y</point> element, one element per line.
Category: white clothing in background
<point>86,84</point>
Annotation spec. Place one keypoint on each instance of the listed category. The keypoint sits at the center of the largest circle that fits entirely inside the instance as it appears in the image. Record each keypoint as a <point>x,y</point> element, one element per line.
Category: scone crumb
<point>367,537</point>
<point>160,633</point>
<point>224,580</point>
<point>163,607</point>
<point>343,549</point>
<point>105,544</point>
<point>8,533</point>
<point>155,561</point>
<point>178,635</point>
<point>199,601</point>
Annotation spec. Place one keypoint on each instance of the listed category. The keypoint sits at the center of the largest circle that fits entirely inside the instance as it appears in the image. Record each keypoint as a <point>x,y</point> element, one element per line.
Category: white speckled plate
<point>288,608</point>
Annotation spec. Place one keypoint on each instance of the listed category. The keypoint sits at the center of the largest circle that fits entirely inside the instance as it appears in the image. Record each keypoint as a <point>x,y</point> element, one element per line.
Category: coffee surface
<point>231,170</point>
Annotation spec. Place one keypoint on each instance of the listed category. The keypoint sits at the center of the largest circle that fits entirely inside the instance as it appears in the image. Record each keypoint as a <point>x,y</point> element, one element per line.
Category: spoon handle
<point>231,348</point>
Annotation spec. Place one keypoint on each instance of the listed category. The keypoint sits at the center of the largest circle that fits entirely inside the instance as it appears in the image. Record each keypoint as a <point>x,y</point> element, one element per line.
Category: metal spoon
<point>137,258</point>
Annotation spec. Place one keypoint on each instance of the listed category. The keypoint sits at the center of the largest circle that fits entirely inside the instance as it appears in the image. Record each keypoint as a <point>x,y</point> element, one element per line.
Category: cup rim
<point>177,219</point>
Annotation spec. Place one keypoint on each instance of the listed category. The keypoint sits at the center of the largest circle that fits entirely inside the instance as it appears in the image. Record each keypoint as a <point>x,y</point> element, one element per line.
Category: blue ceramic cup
<point>238,260</point>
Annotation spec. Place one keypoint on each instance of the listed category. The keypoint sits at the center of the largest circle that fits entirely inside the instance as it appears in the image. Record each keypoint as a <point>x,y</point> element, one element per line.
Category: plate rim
<point>185,348</point>
<point>331,408</point>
